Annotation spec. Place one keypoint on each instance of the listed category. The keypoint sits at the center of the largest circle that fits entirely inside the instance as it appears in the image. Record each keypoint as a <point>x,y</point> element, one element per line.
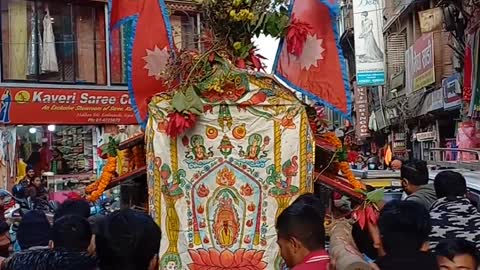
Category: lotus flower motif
<point>213,259</point>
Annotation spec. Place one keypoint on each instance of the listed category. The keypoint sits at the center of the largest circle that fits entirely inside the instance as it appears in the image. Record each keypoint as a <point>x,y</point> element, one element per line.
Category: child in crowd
<point>457,254</point>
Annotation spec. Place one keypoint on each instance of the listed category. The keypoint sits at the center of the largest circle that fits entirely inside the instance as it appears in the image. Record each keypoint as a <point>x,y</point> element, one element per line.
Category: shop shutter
<point>396,47</point>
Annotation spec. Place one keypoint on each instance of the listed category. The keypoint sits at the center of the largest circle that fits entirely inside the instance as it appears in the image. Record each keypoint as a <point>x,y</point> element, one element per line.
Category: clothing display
<point>34,45</point>
<point>49,61</point>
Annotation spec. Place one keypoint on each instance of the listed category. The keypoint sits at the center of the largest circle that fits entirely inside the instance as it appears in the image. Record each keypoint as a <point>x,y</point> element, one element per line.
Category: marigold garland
<point>343,165</point>
<point>96,189</point>
<point>347,172</point>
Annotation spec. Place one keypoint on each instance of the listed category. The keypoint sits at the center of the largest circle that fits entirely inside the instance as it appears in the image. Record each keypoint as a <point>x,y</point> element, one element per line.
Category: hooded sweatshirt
<point>454,218</point>
<point>425,195</point>
<point>47,259</point>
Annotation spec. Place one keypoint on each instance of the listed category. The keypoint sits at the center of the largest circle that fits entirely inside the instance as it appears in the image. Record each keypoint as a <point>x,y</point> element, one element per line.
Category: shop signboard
<point>369,45</point>
<point>437,100</point>
<point>425,136</point>
<point>361,107</point>
<point>452,92</point>
<point>423,60</point>
<point>64,106</point>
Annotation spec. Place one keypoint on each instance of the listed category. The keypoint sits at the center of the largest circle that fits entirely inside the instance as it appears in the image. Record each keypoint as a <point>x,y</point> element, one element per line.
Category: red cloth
<point>319,70</point>
<point>317,260</point>
<point>150,52</point>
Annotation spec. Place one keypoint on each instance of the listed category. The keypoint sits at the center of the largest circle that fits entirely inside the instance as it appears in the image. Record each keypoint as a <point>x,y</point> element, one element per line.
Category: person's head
<point>450,185</point>
<point>57,153</point>
<point>300,230</point>
<point>128,240</point>
<point>36,181</point>
<point>30,172</point>
<point>396,164</point>
<point>453,254</point>
<point>72,233</point>
<point>34,230</point>
<point>414,173</point>
<point>404,227</point>
<point>78,207</point>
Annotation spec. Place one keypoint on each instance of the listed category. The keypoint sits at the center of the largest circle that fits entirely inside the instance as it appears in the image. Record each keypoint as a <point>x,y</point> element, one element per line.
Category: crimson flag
<point>310,59</point>
<point>152,44</point>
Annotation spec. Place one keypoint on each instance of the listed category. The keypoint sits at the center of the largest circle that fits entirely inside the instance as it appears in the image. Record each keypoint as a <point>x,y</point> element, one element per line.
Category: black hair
<point>304,221</point>
<point>127,240</point>
<point>415,171</point>
<point>73,207</point>
<point>404,225</point>
<point>364,242</point>
<point>450,184</point>
<point>4,227</point>
<point>450,248</point>
<point>71,233</point>
<point>312,200</point>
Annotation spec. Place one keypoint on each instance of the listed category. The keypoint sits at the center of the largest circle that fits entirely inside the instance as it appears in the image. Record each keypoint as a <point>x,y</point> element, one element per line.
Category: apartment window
<point>47,41</point>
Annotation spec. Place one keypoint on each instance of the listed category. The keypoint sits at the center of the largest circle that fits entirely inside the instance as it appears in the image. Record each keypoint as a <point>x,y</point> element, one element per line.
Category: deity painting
<point>287,121</point>
<point>226,226</point>
<point>255,147</point>
<point>198,148</point>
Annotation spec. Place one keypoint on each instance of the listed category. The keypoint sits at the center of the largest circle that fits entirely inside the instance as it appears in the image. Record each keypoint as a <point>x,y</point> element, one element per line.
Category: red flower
<point>179,122</point>
<point>256,60</point>
<point>212,259</point>
<point>296,36</point>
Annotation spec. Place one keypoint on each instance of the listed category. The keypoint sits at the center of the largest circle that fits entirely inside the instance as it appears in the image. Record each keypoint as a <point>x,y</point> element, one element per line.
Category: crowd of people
<point>434,227</point>
<point>126,239</point>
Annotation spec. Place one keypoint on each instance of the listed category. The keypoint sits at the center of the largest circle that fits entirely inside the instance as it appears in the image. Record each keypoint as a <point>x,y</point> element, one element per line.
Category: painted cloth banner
<point>423,62</point>
<point>369,46</point>
<point>217,190</point>
<point>152,45</point>
<point>64,106</point>
<point>319,70</point>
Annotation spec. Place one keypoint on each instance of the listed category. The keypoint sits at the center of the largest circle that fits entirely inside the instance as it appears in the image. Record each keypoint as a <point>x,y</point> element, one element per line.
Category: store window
<point>53,41</point>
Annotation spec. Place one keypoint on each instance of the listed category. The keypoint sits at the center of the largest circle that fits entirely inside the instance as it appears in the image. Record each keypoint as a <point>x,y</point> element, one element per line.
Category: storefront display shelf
<point>135,140</point>
<point>128,176</point>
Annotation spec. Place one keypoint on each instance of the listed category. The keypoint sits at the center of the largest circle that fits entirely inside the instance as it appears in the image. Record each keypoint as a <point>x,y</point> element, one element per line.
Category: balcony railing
<point>453,158</point>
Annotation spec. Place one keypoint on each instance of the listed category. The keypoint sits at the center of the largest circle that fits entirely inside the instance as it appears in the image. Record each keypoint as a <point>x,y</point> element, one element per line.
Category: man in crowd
<point>414,175</point>
<point>453,215</point>
<point>128,240</point>
<point>67,249</point>
<point>301,235</point>
<point>456,254</point>
<point>404,229</point>
<point>33,231</point>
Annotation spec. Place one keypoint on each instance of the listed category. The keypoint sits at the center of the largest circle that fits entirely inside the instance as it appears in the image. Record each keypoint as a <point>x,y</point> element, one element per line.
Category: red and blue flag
<point>151,47</point>
<point>310,59</point>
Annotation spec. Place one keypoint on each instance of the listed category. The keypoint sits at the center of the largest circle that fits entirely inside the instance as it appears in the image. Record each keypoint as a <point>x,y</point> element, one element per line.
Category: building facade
<point>63,83</point>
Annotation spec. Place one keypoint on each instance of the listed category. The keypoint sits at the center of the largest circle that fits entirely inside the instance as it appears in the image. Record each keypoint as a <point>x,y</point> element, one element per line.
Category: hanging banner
<point>430,19</point>
<point>369,46</point>
<point>452,92</point>
<point>64,106</point>
<point>361,107</point>
<point>423,59</point>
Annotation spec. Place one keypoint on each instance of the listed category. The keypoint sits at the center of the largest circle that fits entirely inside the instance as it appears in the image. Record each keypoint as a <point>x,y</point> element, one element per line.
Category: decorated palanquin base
<point>217,190</point>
